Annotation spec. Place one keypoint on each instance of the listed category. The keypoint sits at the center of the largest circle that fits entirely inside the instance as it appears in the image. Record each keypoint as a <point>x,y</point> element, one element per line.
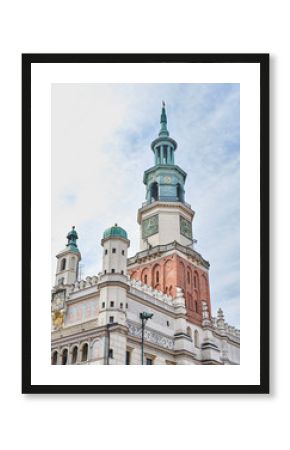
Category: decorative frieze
<point>150,336</point>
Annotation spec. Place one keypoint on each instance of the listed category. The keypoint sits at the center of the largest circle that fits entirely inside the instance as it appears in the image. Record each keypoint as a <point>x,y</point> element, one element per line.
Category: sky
<point>101,136</point>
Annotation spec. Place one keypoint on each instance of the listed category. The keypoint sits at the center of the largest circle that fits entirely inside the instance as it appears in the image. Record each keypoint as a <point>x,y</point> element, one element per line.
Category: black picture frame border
<point>261,58</point>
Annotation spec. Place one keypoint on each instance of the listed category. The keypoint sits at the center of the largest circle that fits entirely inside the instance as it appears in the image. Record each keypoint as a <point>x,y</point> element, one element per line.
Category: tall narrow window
<point>196,306</point>
<point>63,264</point>
<point>145,279</point>
<point>64,357</point>
<point>85,352</point>
<point>154,192</point>
<point>165,154</point>
<point>157,277</point>
<point>128,358</point>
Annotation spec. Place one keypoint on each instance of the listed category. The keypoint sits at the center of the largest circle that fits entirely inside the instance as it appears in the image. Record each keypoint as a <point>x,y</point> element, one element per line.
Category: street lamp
<point>144,316</point>
<point>107,350</point>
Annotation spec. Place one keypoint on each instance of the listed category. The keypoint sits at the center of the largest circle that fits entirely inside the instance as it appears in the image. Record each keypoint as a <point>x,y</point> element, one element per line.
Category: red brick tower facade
<point>167,259</point>
<point>167,268</point>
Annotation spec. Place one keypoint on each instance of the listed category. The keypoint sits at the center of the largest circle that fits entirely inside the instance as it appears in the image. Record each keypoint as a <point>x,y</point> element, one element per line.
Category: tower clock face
<point>185,228</point>
<point>150,226</point>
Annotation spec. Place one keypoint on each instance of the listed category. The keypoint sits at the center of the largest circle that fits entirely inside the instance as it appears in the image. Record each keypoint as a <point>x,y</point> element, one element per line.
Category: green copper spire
<point>72,240</point>
<point>163,122</point>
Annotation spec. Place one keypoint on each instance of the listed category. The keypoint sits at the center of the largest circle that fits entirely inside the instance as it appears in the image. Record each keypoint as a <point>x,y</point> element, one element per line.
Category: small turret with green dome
<point>68,261</point>
<point>115,242</point>
<point>115,232</point>
<point>72,240</point>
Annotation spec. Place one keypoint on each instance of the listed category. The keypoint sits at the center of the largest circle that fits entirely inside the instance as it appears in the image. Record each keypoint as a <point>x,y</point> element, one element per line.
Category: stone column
<point>58,361</point>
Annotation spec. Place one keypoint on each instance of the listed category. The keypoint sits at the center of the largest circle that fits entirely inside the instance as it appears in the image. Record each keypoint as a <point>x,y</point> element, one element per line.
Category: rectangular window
<point>121,305</point>
<point>149,361</point>
<point>111,353</point>
<point>111,319</point>
<point>106,251</point>
<point>128,358</point>
<point>122,272</point>
<point>113,270</point>
<point>103,305</point>
<point>123,252</point>
<point>112,304</point>
<point>113,250</point>
<point>127,305</point>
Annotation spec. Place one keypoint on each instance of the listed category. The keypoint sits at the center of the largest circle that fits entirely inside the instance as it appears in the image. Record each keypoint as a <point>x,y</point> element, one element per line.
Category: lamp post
<point>144,316</point>
<point>107,347</point>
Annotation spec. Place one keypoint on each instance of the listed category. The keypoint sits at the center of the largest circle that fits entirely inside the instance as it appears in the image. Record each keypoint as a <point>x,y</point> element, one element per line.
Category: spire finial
<point>163,121</point>
<point>72,240</point>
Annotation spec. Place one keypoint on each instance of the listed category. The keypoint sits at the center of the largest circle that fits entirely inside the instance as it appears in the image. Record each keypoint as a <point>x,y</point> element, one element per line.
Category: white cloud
<point>101,135</point>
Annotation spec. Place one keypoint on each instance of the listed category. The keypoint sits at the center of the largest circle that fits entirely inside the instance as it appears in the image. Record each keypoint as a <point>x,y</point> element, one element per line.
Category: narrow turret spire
<point>163,122</point>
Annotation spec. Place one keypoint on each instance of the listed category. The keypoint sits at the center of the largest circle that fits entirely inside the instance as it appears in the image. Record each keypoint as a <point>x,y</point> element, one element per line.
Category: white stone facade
<point>101,325</point>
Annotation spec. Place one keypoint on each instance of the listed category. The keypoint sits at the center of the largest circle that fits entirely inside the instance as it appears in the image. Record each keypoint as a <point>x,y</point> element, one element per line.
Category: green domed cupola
<point>115,232</point>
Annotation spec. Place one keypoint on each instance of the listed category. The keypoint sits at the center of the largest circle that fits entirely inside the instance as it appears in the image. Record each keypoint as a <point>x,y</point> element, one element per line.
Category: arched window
<point>196,306</point>
<point>63,264</point>
<point>64,359</point>
<point>85,352</point>
<point>188,277</point>
<point>144,275</point>
<point>74,355</point>
<point>196,339</point>
<point>156,277</point>
<point>54,358</point>
<point>154,191</point>
<point>189,332</point>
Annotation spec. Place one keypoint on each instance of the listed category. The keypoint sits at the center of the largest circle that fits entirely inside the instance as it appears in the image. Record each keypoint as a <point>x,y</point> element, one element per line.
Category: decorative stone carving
<point>150,336</point>
<point>58,310</point>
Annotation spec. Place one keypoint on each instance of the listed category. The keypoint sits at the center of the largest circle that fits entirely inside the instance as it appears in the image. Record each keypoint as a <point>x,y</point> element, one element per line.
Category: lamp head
<point>145,315</point>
